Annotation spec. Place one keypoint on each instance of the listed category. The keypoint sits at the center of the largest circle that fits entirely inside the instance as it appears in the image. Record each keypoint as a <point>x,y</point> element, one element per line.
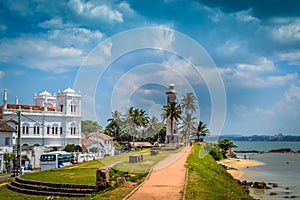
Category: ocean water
<point>280,168</point>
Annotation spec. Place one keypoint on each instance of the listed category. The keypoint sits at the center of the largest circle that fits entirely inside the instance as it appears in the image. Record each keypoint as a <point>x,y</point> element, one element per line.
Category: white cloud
<point>80,38</point>
<point>55,23</point>
<point>262,65</point>
<point>293,57</point>
<point>164,37</point>
<point>239,109</point>
<point>245,16</point>
<point>92,10</point>
<point>215,14</point>
<point>261,111</point>
<point>293,94</point>
<point>40,54</point>
<point>258,75</point>
<point>288,32</point>
<point>55,51</point>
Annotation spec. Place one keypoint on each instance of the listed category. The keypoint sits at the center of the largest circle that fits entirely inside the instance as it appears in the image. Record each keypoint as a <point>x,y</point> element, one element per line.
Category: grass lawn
<point>208,180</point>
<point>85,173</point>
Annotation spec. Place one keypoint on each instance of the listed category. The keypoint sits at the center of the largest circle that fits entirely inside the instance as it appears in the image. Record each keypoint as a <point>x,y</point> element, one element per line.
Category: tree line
<point>135,124</point>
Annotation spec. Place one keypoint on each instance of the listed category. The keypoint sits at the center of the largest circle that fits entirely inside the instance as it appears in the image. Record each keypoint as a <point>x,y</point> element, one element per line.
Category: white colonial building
<point>53,121</point>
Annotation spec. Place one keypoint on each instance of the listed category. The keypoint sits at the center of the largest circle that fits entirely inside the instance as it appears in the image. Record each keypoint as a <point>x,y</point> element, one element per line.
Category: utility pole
<point>19,143</point>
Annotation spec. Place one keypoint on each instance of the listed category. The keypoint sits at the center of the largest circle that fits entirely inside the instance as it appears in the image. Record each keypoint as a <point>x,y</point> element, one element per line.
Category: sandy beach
<point>238,164</point>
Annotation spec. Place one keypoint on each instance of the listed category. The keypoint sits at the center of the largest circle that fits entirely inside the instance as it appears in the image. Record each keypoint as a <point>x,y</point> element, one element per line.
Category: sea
<point>280,168</point>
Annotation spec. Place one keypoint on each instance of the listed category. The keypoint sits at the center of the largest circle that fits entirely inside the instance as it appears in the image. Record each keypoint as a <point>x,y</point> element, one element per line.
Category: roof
<point>105,137</point>
<point>69,90</point>
<point>4,127</point>
<point>28,107</point>
<point>45,93</point>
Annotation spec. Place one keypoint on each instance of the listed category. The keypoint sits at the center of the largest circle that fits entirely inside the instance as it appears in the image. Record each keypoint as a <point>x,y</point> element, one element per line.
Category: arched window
<point>73,107</point>
<point>54,129</point>
<point>36,128</point>
<point>73,128</point>
<point>25,128</point>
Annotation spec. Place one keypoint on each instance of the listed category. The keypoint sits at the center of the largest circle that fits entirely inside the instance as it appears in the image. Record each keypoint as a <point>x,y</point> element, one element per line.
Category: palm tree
<point>189,124</point>
<point>136,118</point>
<point>115,124</point>
<point>172,111</point>
<point>202,130</point>
<point>154,126</point>
<point>188,103</point>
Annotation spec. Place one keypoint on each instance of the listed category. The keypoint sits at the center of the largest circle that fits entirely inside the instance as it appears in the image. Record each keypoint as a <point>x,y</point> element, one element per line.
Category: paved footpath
<point>167,179</point>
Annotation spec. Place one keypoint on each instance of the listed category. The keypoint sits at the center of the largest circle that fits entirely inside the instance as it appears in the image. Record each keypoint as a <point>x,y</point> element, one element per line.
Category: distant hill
<point>278,137</point>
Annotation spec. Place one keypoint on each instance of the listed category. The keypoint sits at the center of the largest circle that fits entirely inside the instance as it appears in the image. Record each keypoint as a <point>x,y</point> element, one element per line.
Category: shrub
<point>216,154</point>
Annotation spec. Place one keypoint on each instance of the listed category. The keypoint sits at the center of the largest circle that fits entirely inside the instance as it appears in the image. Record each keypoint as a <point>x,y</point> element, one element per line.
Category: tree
<point>154,126</point>
<point>226,144</point>
<point>115,124</point>
<point>202,130</point>
<point>72,148</point>
<point>189,124</point>
<point>172,111</point>
<point>8,157</point>
<point>225,147</point>
<point>88,126</point>
<point>188,103</point>
<point>135,119</point>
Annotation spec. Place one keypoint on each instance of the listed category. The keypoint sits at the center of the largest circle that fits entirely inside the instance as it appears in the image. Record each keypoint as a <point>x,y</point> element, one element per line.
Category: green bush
<point>216,154</point>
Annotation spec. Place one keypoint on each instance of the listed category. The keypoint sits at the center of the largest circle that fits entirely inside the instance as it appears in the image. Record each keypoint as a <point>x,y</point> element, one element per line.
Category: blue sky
<point>254,44</point>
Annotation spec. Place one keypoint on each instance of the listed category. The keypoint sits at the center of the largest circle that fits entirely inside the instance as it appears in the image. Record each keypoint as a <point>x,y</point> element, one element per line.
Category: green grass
<point>85,173</point>
<point>208,180</point>
<point>82,173</point>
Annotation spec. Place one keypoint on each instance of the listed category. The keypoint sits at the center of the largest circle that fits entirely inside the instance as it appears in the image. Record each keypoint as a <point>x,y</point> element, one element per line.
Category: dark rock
<point>244,182</point>
<point>273,193</point>
<point>259,185</point>
<point>283,150</point>
<point>273,184</point>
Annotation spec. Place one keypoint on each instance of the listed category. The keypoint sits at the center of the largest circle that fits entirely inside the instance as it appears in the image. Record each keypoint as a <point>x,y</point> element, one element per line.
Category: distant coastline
<point>282,150</point>
<point>278,137</point>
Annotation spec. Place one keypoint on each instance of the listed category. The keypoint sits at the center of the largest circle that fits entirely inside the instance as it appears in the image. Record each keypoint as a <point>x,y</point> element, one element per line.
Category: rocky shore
<point>234,166</point>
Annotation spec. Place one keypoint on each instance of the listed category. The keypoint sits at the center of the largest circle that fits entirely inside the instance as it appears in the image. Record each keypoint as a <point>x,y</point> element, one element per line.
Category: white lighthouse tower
<point>171,97</point>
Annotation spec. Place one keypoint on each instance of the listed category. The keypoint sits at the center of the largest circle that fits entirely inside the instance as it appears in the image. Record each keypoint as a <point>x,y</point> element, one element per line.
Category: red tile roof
<point>4,127</point>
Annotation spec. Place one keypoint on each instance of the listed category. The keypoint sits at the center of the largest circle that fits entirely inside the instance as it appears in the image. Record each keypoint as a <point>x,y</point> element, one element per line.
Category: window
<point>61,108</point>
<point>54,129</point>
<point>7,141</point>
<point>48,130</point>
<point>25,128</point>
<point>73,128</point>
<point>61,130</point>
<point>73,108</point>
<point>36,129</point>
